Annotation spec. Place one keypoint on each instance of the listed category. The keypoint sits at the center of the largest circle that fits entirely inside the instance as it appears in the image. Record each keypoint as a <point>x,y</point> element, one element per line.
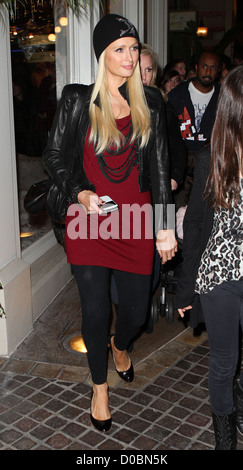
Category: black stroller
<point>163,304</point>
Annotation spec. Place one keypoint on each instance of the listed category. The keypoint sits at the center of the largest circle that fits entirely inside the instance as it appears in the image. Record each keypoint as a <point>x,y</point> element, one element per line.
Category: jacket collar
<point>122,90</point>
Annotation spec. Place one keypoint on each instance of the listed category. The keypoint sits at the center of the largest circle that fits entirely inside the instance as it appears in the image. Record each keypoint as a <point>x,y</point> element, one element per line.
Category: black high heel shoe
<point>127,375</point>
<point>100,425</point>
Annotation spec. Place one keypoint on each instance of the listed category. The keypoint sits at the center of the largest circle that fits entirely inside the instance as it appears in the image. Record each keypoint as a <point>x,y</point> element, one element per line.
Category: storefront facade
<point>31,277</point>
<point>33,273</point>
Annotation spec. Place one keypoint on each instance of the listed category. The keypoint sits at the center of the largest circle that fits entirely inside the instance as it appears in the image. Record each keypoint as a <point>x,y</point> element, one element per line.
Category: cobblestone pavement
<point>171,411</point>
<point>45,405</point>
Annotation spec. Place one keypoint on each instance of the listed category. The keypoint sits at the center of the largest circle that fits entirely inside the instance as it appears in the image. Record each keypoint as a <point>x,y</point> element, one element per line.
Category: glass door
<point>38,57</point>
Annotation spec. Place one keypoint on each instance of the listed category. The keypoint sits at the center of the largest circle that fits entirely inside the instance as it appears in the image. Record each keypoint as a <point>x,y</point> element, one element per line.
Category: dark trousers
<point>94,289</point>
<point>223,314</point>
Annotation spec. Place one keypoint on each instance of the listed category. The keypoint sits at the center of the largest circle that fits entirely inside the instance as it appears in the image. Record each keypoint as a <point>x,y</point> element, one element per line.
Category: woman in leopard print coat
<point>213,257</point>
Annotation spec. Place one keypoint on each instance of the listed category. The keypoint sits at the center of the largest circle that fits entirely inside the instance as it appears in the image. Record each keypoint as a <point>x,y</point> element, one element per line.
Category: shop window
<point>38,58</point>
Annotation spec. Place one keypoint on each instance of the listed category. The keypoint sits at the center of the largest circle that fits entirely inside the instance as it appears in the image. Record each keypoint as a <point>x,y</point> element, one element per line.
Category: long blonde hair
<point>146,49</point>
<point>104,132</point>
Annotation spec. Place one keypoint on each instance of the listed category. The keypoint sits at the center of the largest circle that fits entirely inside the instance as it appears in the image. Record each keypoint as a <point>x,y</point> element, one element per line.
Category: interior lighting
<point>26,234</point>
<point>63,21</point>
<point>52,37</point>
<point>202,30</point>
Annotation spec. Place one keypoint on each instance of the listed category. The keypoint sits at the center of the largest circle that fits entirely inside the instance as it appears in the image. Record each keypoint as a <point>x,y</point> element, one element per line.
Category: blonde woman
<point>117,147</point>
<point>148,65</point>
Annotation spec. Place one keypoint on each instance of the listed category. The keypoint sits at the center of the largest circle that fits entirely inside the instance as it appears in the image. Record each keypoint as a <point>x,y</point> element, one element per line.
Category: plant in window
<point>76,5</point>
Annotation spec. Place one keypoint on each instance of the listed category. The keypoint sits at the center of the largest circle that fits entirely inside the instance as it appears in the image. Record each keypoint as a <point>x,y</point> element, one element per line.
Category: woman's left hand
<point>166,244</point>
<point>173,184</point>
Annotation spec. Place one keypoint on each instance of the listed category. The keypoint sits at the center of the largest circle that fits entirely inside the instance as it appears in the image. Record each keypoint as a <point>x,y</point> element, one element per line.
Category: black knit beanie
<point>110,28</point>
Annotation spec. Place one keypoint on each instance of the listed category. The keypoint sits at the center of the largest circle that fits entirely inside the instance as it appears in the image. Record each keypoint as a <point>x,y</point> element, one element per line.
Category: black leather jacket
<point>63,156</point>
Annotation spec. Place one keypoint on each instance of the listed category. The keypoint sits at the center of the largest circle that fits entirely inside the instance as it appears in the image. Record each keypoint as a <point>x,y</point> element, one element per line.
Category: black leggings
<point>94,289</point>
<point>223,314</point>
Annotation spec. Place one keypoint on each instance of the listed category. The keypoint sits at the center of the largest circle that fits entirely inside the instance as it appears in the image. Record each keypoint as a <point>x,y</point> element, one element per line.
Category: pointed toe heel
<point>127,375</point>
<point>100,425</point>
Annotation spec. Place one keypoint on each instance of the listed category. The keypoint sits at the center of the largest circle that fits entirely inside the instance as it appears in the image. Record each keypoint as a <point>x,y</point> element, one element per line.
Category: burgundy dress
<point>120,240</point>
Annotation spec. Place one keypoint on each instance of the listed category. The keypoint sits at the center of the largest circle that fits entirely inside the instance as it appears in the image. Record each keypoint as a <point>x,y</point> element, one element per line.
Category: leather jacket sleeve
<point>198,223</point>
<point>157,156</point>
<point>59,155</point>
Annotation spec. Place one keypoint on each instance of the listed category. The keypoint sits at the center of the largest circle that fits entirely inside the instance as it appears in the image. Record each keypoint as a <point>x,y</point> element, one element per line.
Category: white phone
<point>109,205</point>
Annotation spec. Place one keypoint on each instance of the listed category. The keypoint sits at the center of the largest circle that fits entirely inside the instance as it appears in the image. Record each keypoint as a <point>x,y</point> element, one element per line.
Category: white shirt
<point>200,101</point>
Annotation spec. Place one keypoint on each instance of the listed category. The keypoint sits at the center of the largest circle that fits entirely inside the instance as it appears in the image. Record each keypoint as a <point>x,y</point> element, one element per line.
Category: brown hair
<point>223,184</point>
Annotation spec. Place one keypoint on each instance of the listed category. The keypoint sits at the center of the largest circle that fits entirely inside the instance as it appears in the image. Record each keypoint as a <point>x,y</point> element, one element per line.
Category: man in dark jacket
<point>195,103</point>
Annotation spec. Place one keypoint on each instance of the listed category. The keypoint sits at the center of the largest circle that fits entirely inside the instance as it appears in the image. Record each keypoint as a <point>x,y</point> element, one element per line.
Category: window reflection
<point>38,57</point>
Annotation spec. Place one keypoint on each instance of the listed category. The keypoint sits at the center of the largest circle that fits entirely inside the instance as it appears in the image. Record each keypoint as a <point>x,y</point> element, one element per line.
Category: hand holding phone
<point>109,205</point>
